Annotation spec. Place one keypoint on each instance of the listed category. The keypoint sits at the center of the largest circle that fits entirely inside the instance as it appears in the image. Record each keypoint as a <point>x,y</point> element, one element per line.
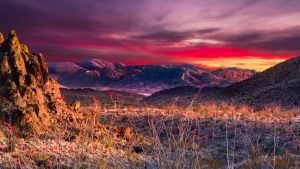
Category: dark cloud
<point>282,45</point>
<point>207,31</point>
<point>236,8</point>
<point>71,28</point>
<point>241,37</point>
<point>169,36</point>
<point>164,36</point>
<point>67,16</point>
<point>285,41</point>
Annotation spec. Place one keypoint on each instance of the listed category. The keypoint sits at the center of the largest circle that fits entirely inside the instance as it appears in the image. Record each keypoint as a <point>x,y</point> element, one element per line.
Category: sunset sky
<point>253,34</point>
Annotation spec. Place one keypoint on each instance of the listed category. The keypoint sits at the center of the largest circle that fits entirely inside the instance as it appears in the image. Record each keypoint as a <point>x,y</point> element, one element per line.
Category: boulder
<point>75,105</point>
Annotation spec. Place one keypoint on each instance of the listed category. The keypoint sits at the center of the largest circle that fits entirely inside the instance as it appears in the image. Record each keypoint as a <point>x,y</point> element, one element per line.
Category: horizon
<point>244,34</point>
<point>152,64</point>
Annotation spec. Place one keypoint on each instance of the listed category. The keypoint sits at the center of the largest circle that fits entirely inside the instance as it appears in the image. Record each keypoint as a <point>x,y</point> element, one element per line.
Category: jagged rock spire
<point>19,65</point>
<point>12,43</point>
<point>26,89</point>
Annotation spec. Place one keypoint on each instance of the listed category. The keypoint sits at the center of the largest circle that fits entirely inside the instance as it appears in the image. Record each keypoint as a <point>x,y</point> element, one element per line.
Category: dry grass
<point>211,135</point>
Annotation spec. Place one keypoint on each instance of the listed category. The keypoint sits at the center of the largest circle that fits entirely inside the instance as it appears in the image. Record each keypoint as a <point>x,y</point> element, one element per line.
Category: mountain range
<point>143,79</point>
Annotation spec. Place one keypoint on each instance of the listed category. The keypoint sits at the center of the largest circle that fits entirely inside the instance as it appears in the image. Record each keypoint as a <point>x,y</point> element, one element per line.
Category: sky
<point>252,34</point>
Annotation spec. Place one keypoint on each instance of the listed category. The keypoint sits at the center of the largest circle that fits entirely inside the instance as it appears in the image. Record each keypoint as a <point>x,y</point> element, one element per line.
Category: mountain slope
<point>279,84</point>
<point>234,74</point>
<point>181,95</point>
<point>59,70</point>
<point>94,64</point>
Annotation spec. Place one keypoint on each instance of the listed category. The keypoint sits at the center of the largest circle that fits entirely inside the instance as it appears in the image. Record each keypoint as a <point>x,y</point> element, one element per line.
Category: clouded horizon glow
<point>253,34</point>
<point>258,64</point>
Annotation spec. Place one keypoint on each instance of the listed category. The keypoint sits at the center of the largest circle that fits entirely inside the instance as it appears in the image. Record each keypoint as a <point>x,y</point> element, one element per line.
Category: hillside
<point>181,95</point>
<point>279,84</point>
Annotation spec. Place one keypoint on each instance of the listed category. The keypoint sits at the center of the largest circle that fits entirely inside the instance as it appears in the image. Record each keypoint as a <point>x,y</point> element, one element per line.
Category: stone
<point>127,133</point>
<point>137,149</point>
<point>12,44</point>
<point>2,136</point>
<point>1,38</point>
<point>5,70</point>
<point>75,105</point>
<point>25,48</point>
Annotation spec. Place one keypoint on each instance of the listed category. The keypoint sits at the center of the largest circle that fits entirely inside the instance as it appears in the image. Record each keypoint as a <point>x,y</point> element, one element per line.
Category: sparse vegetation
<point>210,136</point>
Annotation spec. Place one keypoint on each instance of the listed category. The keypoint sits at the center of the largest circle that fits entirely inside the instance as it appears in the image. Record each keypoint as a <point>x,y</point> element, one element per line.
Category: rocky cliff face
<point>28,96</point>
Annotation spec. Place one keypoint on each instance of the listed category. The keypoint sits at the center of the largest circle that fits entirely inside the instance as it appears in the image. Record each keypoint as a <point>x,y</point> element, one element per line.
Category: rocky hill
<point>29,97</point>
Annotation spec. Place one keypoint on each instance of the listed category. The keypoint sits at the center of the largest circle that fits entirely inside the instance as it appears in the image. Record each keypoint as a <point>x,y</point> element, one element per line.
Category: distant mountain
<point>144,79</point>
<point>62,69</point>
<point>154,78</point>
<point>95,64</point>
<point>234,74</point>
<point>279,84</point>
<point>88,73</point>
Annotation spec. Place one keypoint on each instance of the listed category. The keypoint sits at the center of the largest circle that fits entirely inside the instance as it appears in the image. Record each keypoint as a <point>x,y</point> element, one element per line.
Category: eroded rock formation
<point>29,98</point>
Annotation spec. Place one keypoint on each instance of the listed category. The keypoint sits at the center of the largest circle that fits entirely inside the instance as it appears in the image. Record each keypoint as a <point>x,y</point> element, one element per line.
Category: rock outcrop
<point>29,98</point>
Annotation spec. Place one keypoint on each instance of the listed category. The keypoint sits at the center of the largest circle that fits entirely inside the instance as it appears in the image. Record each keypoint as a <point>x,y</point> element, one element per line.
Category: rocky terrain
<point>144,79</point>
